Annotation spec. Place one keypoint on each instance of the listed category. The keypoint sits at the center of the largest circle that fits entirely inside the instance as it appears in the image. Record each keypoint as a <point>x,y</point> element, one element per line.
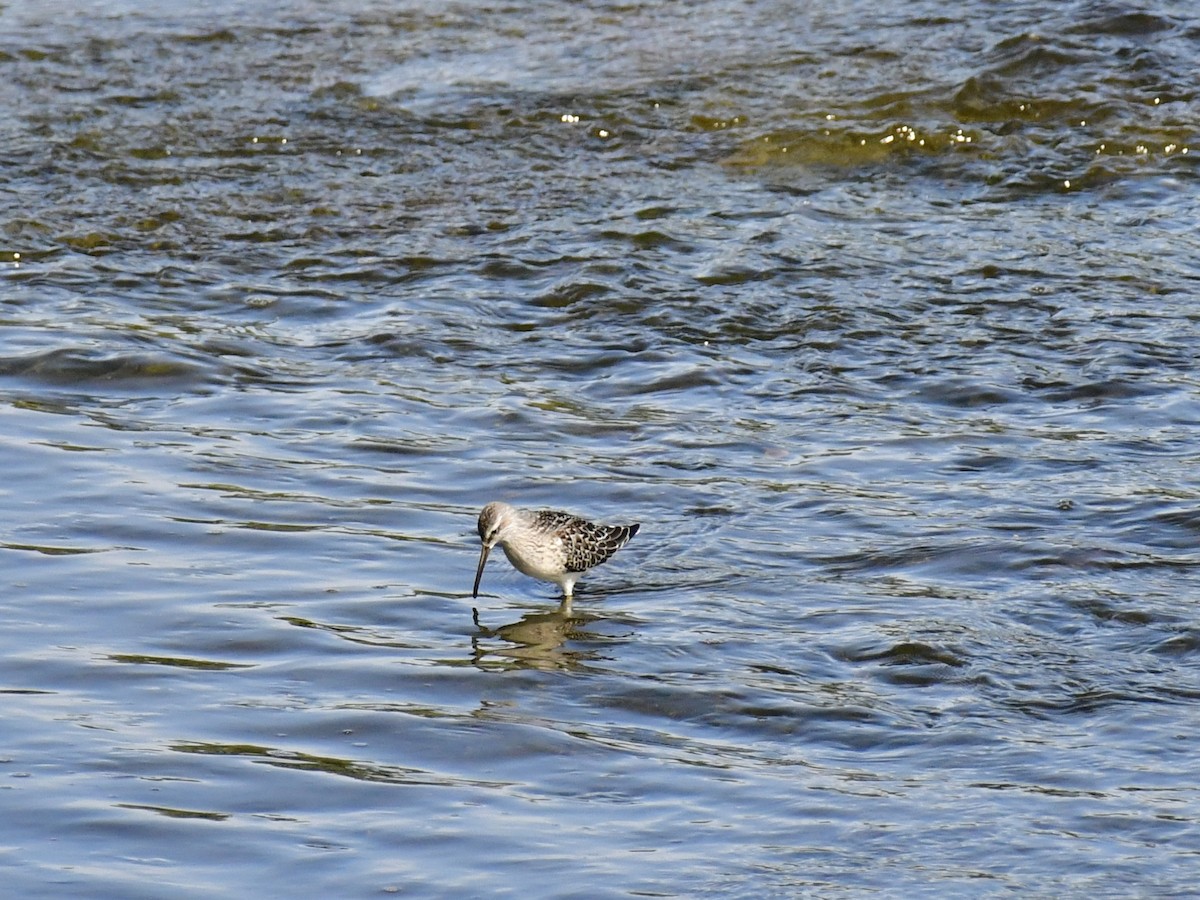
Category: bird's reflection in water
<point>540,640</point>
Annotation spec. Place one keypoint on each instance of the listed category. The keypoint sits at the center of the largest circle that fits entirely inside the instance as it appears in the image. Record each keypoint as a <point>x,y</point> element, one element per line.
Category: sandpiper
<point>547,544</point>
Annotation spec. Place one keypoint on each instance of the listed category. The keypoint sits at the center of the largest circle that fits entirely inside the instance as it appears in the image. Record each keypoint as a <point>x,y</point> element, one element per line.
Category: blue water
<point>879,319</point>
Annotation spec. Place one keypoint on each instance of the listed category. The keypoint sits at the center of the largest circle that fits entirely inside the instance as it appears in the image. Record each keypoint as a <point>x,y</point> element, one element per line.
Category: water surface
<point>879,319</point>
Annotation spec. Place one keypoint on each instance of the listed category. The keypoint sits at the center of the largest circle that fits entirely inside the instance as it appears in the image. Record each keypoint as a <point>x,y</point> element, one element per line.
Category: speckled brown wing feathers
<point>585,544</point>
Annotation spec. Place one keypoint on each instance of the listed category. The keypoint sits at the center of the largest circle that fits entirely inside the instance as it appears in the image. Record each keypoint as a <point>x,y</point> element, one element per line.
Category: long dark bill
<point>483,555</point>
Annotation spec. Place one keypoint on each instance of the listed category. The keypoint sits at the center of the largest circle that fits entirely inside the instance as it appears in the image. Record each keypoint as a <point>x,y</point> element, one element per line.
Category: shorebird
<point>547,544</point>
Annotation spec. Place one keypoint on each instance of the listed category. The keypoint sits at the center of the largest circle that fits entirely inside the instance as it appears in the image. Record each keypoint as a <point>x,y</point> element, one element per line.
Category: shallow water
<point>879,319</point>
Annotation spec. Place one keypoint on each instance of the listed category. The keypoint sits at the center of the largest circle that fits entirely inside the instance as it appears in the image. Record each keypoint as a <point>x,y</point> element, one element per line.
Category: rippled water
<point>878,317</point>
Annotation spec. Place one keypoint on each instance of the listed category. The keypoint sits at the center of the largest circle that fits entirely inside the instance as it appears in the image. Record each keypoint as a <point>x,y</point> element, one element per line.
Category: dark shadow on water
<point>357,769</point>
<point>355,634</point>
<point>176,662</point>
<point>172,813</point>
